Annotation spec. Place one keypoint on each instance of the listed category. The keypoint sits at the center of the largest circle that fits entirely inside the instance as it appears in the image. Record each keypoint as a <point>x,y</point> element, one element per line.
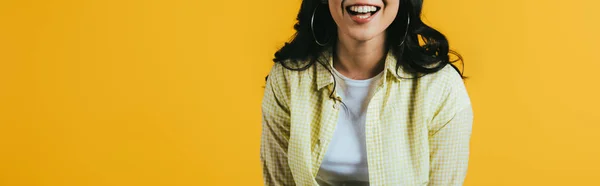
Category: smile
<point>362,13</point>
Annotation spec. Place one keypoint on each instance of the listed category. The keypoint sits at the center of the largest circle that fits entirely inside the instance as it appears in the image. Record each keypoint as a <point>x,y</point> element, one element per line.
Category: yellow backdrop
<point>148,92</point>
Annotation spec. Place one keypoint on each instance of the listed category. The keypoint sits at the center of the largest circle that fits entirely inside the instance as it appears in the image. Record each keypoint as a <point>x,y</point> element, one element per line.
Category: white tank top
<point>345,160</point>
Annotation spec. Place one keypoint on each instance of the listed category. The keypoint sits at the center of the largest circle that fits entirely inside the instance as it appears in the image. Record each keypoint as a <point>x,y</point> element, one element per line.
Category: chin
<point>363,35</point>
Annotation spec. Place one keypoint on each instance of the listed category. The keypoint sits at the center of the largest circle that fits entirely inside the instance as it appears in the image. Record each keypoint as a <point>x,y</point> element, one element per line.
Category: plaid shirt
<point>417,130</point>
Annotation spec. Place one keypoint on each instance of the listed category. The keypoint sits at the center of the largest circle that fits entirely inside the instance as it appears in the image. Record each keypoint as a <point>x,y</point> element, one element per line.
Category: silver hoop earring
<point>312,20</point>
<point>406,32</point>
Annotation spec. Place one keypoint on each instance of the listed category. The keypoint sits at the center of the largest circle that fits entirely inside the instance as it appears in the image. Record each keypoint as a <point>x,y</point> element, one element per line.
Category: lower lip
<point>360,20</point>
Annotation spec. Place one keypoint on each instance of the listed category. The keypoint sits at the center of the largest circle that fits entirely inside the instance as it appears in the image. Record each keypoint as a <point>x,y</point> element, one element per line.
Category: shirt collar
<point>324,77</point>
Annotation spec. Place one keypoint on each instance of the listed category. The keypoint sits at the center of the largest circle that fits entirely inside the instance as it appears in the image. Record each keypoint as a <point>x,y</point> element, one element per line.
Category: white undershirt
<point>346,156</point>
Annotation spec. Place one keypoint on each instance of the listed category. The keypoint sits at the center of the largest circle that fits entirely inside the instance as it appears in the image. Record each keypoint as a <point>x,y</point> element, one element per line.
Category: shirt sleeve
<point>449,139</point>
<point>275,132</point>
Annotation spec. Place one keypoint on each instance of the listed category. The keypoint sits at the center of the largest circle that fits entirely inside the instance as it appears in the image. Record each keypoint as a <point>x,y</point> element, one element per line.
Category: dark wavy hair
<point>428,57</point>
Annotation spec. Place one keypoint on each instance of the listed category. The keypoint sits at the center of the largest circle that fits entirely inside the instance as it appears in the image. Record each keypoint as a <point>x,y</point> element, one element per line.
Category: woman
<point>365,94</point>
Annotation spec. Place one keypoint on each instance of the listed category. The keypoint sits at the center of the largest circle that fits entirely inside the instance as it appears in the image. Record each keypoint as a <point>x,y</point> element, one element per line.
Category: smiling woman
<point>405,115</point>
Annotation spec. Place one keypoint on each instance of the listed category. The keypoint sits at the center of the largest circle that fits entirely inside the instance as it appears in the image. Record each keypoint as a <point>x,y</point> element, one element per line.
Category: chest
<point>395,131</point>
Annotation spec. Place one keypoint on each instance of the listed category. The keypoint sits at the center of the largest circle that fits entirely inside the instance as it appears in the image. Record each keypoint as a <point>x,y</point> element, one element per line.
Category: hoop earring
<point>406,32</point>
<point>312,20</point>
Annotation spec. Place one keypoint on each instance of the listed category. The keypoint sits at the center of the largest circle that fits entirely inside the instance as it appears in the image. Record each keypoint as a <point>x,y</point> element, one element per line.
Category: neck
<point>359,59</point>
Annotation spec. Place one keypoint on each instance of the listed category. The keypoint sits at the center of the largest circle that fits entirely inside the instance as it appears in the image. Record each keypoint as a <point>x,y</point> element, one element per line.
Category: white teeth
<point>363,9</point>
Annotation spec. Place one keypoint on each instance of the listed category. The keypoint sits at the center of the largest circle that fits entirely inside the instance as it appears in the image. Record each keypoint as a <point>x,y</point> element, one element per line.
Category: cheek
<point>390,12</point>
<point>336,11</point>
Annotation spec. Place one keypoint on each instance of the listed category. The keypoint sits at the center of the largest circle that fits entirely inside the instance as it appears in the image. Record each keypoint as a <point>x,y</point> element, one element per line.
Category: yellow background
<point>147,92</point>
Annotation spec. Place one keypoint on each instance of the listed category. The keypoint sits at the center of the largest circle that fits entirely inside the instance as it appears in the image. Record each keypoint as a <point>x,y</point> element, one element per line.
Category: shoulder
<point>445,78</point>
<point>275,73</point>
<point>288,71</point>
<point>449,77</point>
<point>277,76</point>
<point>448,85</point>
<point>284,74</point>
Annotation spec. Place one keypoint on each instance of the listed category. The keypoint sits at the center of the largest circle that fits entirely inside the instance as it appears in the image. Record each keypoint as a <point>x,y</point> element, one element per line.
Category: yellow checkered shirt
<point>417,130</point>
